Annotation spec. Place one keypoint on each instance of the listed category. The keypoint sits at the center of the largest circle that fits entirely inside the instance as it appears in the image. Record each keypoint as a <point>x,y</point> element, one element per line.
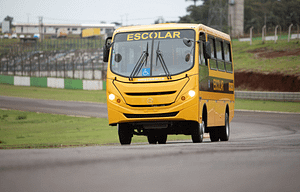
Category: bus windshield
<point>152,53</point>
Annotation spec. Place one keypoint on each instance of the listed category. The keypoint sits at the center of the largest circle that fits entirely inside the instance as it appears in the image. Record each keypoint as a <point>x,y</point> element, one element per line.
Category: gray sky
<point>93,11</point>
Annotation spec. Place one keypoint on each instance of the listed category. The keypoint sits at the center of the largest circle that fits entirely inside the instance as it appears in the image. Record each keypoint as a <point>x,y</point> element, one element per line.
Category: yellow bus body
<point>132,97</point>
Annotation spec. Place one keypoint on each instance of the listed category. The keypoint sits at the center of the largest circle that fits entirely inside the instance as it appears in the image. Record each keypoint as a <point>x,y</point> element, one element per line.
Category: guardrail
<point>263,95</point>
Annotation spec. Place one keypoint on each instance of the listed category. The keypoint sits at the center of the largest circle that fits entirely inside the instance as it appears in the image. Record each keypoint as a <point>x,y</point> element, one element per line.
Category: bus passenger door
<point>203,74</point>
<point>203,67</point>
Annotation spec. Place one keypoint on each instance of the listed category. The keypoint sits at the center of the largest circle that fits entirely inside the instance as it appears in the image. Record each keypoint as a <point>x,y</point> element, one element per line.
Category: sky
<point>128,12</point>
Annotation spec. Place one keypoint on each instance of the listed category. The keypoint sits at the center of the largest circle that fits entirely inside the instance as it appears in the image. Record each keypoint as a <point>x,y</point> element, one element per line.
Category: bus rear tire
<point>125,133</point>
<point>225,130</point>
<point>214,135</point>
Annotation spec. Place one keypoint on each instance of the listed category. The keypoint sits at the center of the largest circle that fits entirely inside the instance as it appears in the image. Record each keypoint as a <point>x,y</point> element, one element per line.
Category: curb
<point>259,111</point>
<point>81,84</point>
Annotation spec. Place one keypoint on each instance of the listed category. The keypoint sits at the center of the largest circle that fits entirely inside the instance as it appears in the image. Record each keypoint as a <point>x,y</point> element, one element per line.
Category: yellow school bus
<point>168,79</point>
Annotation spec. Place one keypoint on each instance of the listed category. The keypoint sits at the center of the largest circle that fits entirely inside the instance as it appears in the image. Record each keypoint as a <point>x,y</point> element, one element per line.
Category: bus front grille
<point>157,105</point>
<point>172,114</point>
<point>151,93</point>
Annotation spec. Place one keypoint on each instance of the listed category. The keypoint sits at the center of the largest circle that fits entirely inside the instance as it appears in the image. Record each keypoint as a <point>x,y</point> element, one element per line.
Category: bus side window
<point>227,57</point>
<point>213,61</point>
<point>219,49</point>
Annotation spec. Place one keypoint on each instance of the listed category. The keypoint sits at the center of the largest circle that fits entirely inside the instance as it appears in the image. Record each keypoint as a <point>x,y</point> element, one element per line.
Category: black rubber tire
<point>125,133</point>
<point>162,138</point>
<point>152,139</point>
<point>214,135</point>
<point>225,131</point>
<point>197,134</point>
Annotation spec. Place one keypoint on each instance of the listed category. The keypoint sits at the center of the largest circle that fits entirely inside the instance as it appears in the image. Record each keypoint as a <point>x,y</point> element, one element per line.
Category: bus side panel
<point>211,113</point>
<point>231,111</point>
<point>216,107</point>
<point>220,113</point>
<point>215,113</point>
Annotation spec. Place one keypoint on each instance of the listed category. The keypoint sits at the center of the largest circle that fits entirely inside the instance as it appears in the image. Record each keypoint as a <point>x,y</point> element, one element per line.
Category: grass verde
<point>37,130</point>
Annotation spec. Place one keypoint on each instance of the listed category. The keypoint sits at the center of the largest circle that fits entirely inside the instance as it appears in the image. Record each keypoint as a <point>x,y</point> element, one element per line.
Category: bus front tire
<point>198,131</point>
<point>155,137</point>
<point>214,135</point>
<point>125,134</point>
<point>152,139</point>
<point>162,139</point>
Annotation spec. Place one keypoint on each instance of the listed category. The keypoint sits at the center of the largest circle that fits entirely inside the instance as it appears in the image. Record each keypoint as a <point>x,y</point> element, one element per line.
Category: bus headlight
<point>192,93</point>
<point>111,97</point>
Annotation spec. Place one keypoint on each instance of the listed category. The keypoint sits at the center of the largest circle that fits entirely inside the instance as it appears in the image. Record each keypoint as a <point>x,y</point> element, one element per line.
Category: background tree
<point>271,13</point>
<point>257,13</point>
<point>211,13</point>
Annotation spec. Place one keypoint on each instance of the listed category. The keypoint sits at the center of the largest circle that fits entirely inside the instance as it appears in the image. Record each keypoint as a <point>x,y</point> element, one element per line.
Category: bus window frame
<point>220,60</point>
<point>214,52</point>
<point>227,43</point>
<point>202,40</point>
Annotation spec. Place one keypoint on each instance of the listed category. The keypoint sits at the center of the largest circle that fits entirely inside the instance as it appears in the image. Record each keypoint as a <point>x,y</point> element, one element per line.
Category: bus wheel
<point>157,136</point>
<point>197,132</point>
<point>125,134</point>
<point>225,130</point>
<point>162,138</point>
<point>214,135</point>
<point>152,139</point>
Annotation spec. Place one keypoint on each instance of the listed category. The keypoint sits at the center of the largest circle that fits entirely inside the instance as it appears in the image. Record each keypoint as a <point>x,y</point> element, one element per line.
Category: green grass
<point>53,94</point>
<point>244,60</point>
<point>267,105</point>
<point>4,45</point>
<point>46,130</point>
<point>37,130</point>
<point>5,42</point>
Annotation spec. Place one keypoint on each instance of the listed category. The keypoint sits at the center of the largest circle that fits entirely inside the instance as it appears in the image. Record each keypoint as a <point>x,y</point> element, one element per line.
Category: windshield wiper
<point>162,62</point>
<point>138,66</point>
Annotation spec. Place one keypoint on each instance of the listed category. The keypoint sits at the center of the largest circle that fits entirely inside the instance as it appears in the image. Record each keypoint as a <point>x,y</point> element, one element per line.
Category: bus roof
<point>165,26</point>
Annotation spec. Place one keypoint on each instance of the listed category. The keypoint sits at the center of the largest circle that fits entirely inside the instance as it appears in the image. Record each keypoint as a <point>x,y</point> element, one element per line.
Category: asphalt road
<point>54,107</point>
<point>263,154</point>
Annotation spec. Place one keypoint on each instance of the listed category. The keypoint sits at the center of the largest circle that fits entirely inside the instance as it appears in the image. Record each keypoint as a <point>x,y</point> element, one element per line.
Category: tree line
<point>257,13</point>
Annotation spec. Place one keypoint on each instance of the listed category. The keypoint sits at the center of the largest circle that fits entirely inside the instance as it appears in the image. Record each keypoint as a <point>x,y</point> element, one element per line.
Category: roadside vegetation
<point>21,129</point>
<point>97,96</point>
<point>282,57</point>
<point>259,105</point>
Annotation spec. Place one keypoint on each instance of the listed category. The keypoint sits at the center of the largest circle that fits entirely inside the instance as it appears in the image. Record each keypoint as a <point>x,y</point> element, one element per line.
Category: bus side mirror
<point>106,48</point>
<point>207,50</point>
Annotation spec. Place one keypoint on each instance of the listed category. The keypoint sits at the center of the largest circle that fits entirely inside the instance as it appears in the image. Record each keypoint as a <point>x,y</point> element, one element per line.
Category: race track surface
<point>263,154</point>
<point>54,107</point>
